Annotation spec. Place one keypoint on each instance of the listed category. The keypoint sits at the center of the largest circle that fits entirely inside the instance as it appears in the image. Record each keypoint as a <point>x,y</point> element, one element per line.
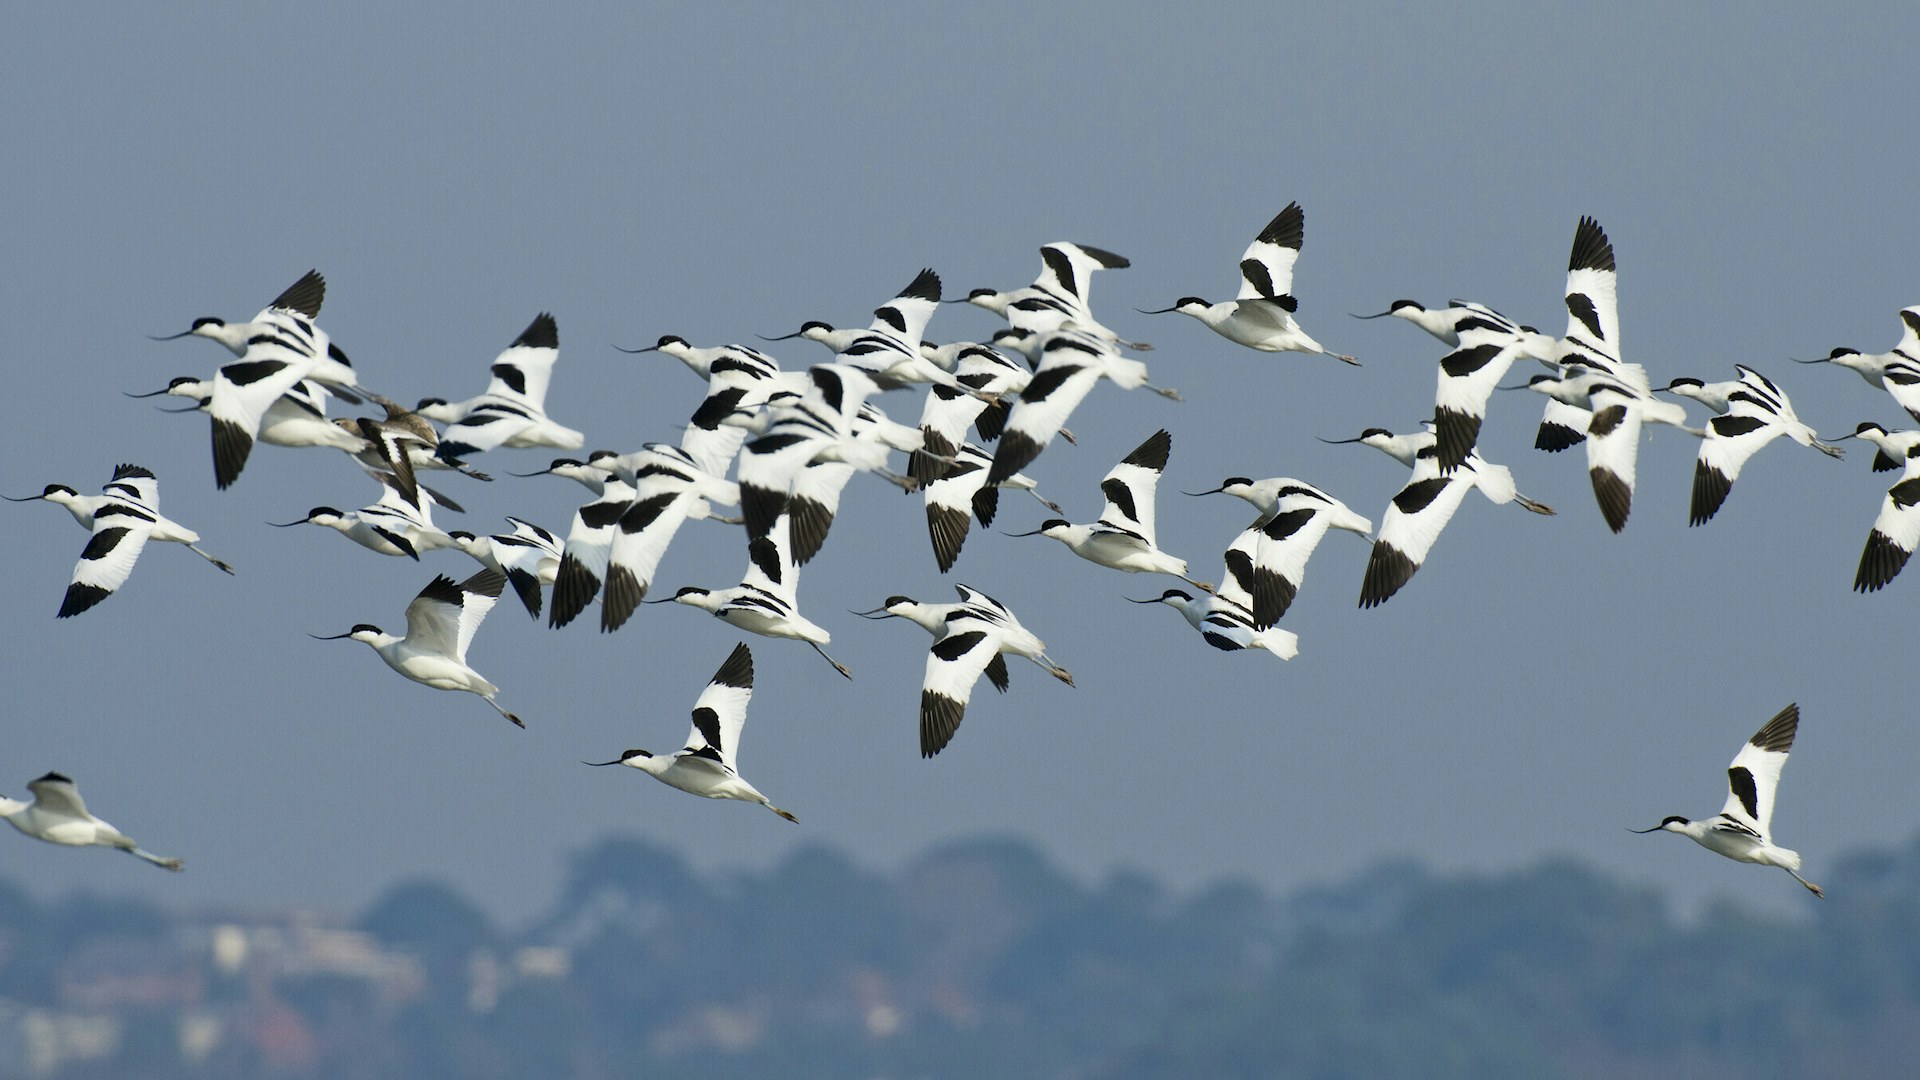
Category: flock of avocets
<point>794,439</point>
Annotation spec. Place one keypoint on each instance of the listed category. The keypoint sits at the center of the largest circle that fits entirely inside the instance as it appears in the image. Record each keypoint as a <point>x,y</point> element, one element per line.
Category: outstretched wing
<point>1754,777</point>
<point>721,711</point>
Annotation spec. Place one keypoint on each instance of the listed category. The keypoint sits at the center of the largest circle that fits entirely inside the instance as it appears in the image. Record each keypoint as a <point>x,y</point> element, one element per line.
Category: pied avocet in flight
<point>1294,518</point>
<point>59,816</point>
<point>1753,412</point>
<point>301,301</point>
<point>1225,619</point>
<point>1123,538</point>
<point>513,410</point>
<point>971,638</point>
<point>441,622</point>
<point>1261,316</point>
<point>1741,830</point>
<point>708,765</point>
<point>1058,298</point>
<point>123,517</point>
<point>1422,508</point>
<point>766,602</point>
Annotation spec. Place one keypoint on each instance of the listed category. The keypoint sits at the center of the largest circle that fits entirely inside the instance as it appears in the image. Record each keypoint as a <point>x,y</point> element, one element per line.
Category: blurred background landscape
<point>979,958</point>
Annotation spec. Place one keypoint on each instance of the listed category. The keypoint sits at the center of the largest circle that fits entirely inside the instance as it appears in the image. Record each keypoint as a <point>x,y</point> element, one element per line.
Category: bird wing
<point>1411,524</point>
<point>445,615</point>
<point>1593,316</point>
<point>1266,268</point>
<point>58,794</point>
<point>1241,580</point>
<point>1754,777</point>
<point>770,567</point>
<point>1130,485</point>
<point>1613,447</point>
<point>135,484</point>
<point>905,316</point>
<point>1896,532</point>
<point>487,426</point>
<point>1902,379</point>
<point>521,372</point>
<point>245,389</point>
<point>1731,438</point>
<point>583,561</point>
<point>721,712</point>
<point>640,539</point>
<point>954,664</point>
<point>1065,269</point>
<point>120,531</point>
<point>949,501</point>
<point>1287,541</point>
<point>1467,379</point>
<point>1068,370</point>
<point>814,501</point>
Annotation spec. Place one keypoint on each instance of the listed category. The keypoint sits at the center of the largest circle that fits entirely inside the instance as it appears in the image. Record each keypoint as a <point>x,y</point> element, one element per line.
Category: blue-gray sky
<point>717,172</point>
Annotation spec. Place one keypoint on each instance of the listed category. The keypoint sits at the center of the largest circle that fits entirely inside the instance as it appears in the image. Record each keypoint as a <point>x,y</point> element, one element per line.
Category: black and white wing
<point>584,559</point>
<point>57,794</point>
<point>1413,521</point>
<point>1266,268</point>
<point>530,555</point>
<point>1593,330</point>
<point>1070,365</point>
<point>1288,539</point>
<point>1896,532</point>
<point>721,711</point>
<point>522,371</point>
<point>1613,449</point>
<point>954,664</point>
<point>640,539</point>
<point>120,531</point>
<point>950,499</point>
<point>1129,488</point>
<point>1731,438</point>
<point>1753,779</point>
<point>1468,376</point>
<point>444,616</point>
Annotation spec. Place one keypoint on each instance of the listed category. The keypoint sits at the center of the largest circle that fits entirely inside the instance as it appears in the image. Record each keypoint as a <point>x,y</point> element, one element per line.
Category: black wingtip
<point>1287,229</point>
<point>1388,568</point>
<point>924,286</point>
<point>940,717</point>
<point>1710,488</point>
<point>304,296</point>
<point>541,333</point>
<point>737,670</point>
<point>1614,496</point>
<point>1153,453</point>
<point>1591,248</point>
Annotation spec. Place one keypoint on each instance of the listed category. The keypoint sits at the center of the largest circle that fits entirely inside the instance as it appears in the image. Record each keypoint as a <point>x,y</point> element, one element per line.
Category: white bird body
<point>1753,412</point>
<point>1742,829</point>
<point>1058,297</point>
<point>709,764</point>
<point>512,411</point>
<point>1123,538</point>
<point>122,518</point>
<point>971,638</point>
<point>390,526</point>
<point>766,602</point>
<point>1071,363</point>
<point>59,816</point>
<point>1261,316</point>
<point>529,557</point>
<point>1294,518</point>
<point>1424,505</point>
<point>441,622</point>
